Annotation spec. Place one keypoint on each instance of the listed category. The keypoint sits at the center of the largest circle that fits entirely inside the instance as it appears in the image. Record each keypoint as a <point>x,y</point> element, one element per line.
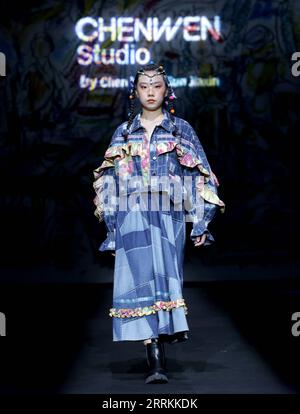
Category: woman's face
<point>151,91</point>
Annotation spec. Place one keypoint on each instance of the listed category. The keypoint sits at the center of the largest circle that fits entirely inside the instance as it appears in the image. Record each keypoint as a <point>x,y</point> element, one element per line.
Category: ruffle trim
<point>111,153</point>
<point>209,195</point>
<point>98,185</point>
<point>148,310</point>
<point>189,159</point>
<point>186,157</point>
<point>212,197</point>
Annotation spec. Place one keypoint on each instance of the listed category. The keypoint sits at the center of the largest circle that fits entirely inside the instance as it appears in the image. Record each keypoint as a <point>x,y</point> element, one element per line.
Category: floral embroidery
<point>145,161</point>
<point>148,310</point>
<point>135,148</point>
<point>115,151</point>
<point>186,157</point>
<point>189,159</point>
<point>163,147</point>
<point>124,167</point>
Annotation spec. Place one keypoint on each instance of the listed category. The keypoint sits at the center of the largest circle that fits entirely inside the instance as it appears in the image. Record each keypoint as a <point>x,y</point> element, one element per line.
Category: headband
<point>160,71</point>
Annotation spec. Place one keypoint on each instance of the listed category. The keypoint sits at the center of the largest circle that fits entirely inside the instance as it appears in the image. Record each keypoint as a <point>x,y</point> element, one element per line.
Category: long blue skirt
<point>148,274</point>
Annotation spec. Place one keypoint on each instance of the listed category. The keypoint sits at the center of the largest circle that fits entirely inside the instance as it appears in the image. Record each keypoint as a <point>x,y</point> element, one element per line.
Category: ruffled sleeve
<point>106,186</point>
<point>200,188</point>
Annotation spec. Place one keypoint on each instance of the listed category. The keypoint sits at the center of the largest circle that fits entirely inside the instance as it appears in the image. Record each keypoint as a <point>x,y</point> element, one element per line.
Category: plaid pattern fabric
<point>170,156</point>
<point>149,243</point>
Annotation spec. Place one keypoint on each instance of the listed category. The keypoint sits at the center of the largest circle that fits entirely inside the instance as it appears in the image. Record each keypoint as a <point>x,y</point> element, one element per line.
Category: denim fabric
<point>179,155</point>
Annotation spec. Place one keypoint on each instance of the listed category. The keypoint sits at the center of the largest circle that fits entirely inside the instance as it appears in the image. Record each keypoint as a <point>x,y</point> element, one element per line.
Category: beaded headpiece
<point>159,71</point>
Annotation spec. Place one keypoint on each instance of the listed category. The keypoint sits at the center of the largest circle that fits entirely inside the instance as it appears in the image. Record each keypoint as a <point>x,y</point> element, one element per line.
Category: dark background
<point>53,134</point>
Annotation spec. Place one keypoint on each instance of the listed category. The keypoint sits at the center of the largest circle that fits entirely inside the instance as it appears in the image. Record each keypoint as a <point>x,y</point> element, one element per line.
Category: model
<point>155,176</point>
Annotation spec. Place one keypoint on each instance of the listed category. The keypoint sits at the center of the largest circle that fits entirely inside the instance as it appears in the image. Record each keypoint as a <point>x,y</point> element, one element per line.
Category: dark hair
<point>168,100</point>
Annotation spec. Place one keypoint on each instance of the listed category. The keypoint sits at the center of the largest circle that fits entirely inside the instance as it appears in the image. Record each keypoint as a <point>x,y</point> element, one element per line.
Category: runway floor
<point>59,341</point>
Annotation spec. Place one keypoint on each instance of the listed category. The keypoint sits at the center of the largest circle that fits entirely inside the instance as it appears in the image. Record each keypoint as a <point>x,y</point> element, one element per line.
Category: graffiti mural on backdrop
<point>61,128</point>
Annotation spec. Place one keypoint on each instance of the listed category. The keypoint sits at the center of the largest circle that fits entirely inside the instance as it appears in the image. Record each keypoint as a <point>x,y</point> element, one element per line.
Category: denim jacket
<point>175,152</point>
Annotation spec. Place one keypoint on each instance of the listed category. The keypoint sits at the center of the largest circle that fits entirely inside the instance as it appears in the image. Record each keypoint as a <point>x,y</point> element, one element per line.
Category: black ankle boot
<point>156,361</point>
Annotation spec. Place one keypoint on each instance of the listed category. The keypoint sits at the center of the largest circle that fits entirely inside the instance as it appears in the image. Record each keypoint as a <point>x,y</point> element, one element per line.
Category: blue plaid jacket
<point>175,151</point>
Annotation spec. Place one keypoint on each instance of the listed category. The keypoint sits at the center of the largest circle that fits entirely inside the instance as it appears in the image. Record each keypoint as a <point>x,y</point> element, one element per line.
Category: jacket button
<point>154,158</point>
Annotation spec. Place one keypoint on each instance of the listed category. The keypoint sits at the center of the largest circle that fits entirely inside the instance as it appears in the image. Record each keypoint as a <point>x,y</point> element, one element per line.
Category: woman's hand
<point>113,254</point>
<point>199,240</point>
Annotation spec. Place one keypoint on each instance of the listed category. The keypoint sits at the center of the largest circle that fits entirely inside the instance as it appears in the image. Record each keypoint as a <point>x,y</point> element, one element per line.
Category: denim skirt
<point>148,297</point>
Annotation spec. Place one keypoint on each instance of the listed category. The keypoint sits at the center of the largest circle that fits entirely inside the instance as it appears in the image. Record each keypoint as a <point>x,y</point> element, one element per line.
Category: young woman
<point>146,216</point>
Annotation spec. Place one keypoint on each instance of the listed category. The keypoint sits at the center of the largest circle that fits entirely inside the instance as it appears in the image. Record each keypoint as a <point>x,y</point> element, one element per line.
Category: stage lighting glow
<point>197,82</point>
<point>124,56</point>
<point>94,31</point>
<point>100,37</point>
<point>104,82</point>
<point>130,29</point>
